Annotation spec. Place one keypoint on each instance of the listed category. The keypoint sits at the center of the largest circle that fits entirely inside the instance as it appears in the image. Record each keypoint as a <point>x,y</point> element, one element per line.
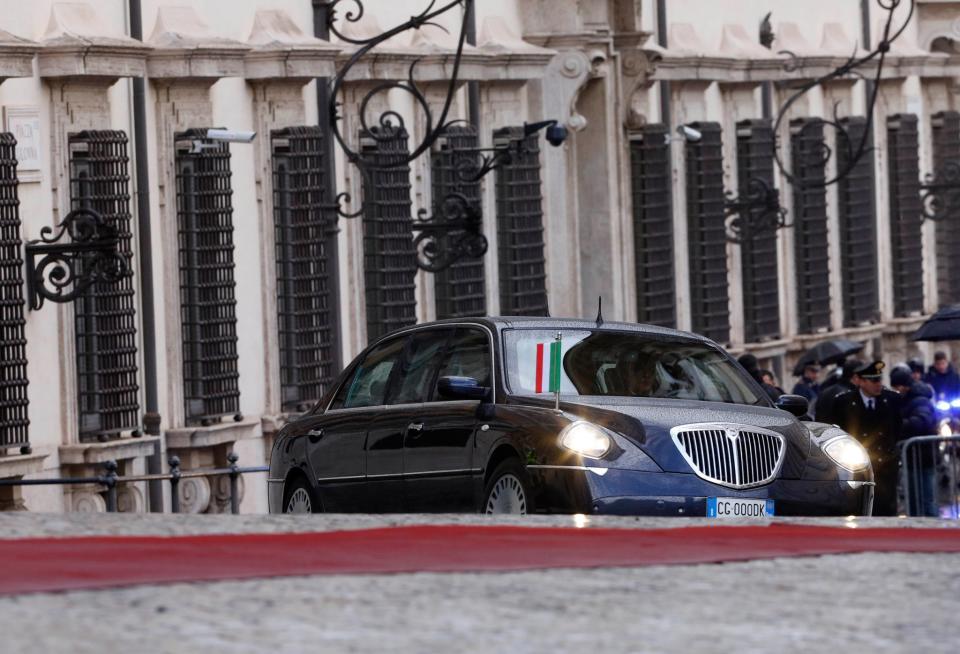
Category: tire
<point>508,490</point>
<point>300,498</point>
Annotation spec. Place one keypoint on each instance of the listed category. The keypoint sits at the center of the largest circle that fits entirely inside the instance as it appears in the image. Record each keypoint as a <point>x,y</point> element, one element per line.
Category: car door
<point>337,442</point>
<point>439,465</point>
<point>408,389</point>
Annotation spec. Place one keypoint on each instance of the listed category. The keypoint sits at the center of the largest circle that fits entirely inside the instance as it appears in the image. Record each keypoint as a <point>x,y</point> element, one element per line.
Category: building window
<point>707,242</point>
<point>523,274</point>
<point>858,240</point>
<point>389,258</point>
<point>207,287</point>
<point>761,280</point>
<point>304,236</point>
<point>651,181</point>
<point>461,288</point>
<point>946,149</point>
<point>13,345</point>
<point>808,158</point>
<point>906,241</point>
<point>104,314</point>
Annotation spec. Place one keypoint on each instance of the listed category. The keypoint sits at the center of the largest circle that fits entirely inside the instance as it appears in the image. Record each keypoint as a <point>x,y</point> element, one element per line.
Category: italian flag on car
<point>548,373</point>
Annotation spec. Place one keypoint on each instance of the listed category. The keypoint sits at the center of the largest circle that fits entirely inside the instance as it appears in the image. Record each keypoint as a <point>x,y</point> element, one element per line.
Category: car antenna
<point>599,311</point>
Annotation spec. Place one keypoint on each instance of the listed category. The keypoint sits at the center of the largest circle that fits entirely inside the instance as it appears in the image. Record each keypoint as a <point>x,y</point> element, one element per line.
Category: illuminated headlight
<point>847,453</point>
<point>586,439</point>
<point>943,405</point>
<point>955,403</point>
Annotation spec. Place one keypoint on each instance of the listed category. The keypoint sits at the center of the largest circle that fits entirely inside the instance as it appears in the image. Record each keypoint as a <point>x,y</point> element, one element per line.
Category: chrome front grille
<point>731,455</point>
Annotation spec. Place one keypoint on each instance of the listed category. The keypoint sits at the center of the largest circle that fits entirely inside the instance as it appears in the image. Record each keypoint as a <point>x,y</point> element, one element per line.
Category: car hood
<point>648,422</point>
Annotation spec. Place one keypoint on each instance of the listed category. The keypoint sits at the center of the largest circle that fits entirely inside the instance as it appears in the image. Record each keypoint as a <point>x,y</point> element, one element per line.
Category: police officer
<point>871,413</point>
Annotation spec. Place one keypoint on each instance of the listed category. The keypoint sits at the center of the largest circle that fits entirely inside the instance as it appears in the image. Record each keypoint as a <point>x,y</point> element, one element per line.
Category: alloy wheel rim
<point>507,497</point>
<point>300,502</point>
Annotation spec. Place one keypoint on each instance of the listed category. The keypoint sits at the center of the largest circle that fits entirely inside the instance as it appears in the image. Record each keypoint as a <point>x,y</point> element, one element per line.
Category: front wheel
<point>508,490</point>
<point>299,498</point>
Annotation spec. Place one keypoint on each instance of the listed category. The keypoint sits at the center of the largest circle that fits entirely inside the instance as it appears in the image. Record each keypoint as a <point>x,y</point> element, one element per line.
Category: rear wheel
<point>508,490</point>
<point>299,498</point>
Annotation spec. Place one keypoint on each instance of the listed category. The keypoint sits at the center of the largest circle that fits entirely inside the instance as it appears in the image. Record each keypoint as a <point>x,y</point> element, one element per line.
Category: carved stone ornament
<point>129,499</point>
<point>221,493</point>
<point>88,502</point>
<point>566,76</point>
<point>75,45</point>
<point>194,495</point>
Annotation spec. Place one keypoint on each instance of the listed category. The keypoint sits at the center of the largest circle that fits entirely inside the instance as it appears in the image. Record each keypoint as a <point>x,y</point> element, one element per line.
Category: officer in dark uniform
<point>871,413</point>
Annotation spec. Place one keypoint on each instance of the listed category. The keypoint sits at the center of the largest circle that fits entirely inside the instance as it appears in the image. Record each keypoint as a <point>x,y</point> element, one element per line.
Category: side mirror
<point>462,388</point>
<point>794,404</point>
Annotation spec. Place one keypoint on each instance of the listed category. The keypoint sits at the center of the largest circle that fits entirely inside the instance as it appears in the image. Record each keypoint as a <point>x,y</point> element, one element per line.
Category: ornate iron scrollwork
<point>60,271</point>
<point>856,148</point>
<point>940,193</point>
<point>757,212</point>
<point>456,232</point>
<point>390,120</point>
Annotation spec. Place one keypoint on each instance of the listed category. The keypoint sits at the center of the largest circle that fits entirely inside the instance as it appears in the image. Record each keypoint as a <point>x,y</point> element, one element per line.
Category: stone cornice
<point>74,46</point>
<point>124,448</point>
<point>20,465</point>
<point>219,434</point>
<point>16,56</point>
<point>279,50</point>
<point>184,47</point>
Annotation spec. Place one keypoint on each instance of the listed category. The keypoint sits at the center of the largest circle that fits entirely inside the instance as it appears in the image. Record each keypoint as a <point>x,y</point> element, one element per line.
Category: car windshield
<point>625,364</point>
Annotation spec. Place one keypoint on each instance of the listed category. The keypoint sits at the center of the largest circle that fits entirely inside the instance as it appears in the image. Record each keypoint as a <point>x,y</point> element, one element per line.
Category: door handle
<point>415,428</point>
<point>315,435</point>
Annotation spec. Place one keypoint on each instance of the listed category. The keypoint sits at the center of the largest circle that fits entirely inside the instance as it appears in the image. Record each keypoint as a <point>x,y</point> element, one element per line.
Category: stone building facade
<point>243,295</point>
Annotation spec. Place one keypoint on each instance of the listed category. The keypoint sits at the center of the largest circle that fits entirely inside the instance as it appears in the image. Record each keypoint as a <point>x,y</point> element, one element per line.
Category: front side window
<point>422,355</point>
<point>625,364</point>
<point>369,383</point>
<point>468,356</point>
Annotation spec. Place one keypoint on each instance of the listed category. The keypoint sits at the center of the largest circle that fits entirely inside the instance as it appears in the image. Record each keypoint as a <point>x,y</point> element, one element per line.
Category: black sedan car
<point>522,415</point>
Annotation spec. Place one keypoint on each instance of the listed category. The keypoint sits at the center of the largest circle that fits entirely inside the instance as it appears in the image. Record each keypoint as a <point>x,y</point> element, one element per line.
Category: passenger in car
<point>638,375</point>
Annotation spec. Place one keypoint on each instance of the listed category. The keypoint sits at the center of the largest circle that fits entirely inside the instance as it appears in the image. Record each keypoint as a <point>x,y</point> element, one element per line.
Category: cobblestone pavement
<point>853,603</point>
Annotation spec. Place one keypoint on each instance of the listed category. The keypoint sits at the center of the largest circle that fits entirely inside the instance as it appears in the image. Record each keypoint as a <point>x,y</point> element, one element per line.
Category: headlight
<point>943,405</point>
<point>586,439</point>
<point>847,453</point>
<point>955,403</point>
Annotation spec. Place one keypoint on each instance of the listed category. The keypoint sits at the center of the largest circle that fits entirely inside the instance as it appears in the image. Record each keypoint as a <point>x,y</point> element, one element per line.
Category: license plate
<point>729,507</point>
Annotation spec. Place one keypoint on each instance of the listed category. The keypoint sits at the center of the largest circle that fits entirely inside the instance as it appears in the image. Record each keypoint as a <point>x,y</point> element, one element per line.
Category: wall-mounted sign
<point>24,124</point>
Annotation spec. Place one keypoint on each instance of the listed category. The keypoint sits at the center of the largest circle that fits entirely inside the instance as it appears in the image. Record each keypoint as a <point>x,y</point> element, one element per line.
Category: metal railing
<point>929,476</point>
<point>110,480</point>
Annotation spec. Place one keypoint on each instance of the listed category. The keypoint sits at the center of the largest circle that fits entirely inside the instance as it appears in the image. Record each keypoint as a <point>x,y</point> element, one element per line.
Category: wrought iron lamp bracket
<point>940,193</point>
<point>454,233</point>
<point>68,259</point>
<point>860,146</point>
<point>756,212</point>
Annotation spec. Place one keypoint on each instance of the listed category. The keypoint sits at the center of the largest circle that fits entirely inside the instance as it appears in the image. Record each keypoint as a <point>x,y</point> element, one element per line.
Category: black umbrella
<point>944,325</point>
<point>832,351</point>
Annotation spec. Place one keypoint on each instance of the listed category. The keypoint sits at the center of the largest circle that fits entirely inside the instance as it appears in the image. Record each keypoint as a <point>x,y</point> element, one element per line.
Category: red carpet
<point>55,564</point>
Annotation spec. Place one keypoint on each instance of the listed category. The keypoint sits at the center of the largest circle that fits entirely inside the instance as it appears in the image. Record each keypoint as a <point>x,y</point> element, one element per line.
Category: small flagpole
<point>556,373</point>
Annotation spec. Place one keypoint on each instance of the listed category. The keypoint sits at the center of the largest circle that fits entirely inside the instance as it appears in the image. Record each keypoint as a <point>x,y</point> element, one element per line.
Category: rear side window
<point>422,354</point>
<point>468,356</point>
<point>371,380</point>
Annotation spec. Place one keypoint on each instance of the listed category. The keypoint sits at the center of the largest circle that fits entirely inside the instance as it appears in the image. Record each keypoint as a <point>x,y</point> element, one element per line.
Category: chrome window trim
<point>418,328</point>
<point>728,427</point>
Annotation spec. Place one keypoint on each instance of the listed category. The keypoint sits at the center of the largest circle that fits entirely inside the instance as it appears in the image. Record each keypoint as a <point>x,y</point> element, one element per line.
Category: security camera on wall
<point>689,134</point>
<point>231,135</point>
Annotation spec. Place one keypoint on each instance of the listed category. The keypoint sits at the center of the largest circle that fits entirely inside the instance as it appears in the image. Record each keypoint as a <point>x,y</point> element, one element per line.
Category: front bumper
<point>632,492</point>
